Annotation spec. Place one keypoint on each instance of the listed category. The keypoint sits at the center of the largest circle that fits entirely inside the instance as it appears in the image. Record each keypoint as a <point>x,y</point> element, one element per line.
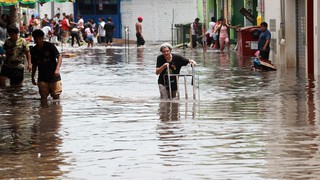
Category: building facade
<point>95,9</point>
<point>231,11</point>
<point>158,16</point>
<point>294,25</point>
<point>297,34</point>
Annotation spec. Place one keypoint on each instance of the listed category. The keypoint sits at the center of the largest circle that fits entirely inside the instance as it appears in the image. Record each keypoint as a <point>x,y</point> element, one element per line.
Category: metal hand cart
<point>193,83</point>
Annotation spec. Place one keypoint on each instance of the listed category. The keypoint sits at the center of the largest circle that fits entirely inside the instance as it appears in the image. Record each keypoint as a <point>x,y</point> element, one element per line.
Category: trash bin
<point>183,33</point>
<point>179,33</point>
<point>247,41</point>
<point>186,33</point>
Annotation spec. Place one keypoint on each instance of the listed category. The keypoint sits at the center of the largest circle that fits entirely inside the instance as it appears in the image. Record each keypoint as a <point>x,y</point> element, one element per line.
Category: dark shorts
<point>109,38</point>
<point>140,39</point>
<point>102,39</point>
<point>15,75</point>
<point>264,55</point>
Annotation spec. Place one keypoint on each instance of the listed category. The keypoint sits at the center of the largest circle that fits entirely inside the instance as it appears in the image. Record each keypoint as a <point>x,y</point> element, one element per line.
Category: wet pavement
<point>111,124</point>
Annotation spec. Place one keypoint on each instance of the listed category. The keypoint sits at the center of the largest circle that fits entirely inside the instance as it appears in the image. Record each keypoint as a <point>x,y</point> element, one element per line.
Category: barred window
<point>85,7</point>
<point>106,7</point>
<point>88,7</point>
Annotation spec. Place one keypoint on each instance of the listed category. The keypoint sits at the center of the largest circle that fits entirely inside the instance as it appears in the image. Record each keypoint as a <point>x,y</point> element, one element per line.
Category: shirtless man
<point>140,40</point>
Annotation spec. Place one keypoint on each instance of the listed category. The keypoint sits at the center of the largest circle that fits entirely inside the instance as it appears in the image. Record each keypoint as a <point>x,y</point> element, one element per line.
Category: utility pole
<point>52,9</point>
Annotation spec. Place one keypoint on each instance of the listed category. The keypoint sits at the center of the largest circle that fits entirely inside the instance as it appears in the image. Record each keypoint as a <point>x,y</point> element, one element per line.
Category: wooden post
<point>191,37</point>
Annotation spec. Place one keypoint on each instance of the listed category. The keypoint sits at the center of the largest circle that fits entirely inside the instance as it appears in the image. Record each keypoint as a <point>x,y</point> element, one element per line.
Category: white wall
<point>291,33</point>
<point>286,54</point>
<point>273,11</point>
<point>53,8</point>
<point>157,16</point>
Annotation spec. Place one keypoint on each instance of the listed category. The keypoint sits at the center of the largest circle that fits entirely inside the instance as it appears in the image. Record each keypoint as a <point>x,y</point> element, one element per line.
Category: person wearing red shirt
<point>65,28</point>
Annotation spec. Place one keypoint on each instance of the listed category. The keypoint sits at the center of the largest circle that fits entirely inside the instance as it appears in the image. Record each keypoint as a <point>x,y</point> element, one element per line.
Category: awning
<point>12,2</point>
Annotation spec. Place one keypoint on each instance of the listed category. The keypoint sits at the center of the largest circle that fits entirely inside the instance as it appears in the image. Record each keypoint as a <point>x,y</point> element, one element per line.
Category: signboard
<point>247,14</point>
<point>254,44</point>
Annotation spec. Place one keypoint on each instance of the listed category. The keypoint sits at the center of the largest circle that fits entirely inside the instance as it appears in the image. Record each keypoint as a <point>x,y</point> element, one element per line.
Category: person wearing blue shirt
<point>264,41</point>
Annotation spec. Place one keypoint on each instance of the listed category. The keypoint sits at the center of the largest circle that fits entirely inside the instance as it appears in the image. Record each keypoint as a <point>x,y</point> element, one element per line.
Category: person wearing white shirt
<point>57,18</point>
<point>210,31</point>
<point>80,26</point>
<point>80,23</point>
<point>195,32</point>
<point>101,31</point>
<point>47,30</point>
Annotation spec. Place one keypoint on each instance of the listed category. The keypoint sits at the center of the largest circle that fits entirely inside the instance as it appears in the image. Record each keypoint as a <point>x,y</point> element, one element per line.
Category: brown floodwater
<point>111,124</point>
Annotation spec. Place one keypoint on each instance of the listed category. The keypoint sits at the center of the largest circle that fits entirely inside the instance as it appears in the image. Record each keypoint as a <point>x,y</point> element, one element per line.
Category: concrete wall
<point>283,54</point>
<point>291,33</point>
<point>317,38</point>
<point>273,12</point>
<point>200,12</point>
<point>53,8</point>
<point>158,16</point>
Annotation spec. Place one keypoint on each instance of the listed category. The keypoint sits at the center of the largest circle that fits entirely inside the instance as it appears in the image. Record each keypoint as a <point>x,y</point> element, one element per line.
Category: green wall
<point>200,11</point>
<point>237,17</point>
<point>213,8</point>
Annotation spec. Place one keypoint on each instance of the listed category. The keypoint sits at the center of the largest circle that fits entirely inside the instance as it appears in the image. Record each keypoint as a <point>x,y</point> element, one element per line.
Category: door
<point>237,17</point>
<point>95,9</point>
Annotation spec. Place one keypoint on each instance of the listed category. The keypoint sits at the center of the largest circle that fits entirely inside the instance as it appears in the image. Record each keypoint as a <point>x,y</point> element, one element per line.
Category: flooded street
<point>111,124</point>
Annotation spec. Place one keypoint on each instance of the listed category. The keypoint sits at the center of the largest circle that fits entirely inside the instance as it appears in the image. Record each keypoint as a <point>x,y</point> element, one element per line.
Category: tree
<point>13,18</point>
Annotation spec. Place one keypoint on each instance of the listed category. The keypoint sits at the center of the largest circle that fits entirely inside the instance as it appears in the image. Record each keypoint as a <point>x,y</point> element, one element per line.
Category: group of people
<point>168,63</point>
<point>218,37</point>
<point>44,57</point>
<point>217,34</point>
<point>65,29</point>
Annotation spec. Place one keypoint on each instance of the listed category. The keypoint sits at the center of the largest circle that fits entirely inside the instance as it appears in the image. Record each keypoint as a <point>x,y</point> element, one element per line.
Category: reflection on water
<point>111,124</point>
<point>169,111</point>
<point>311,106</point>
<point>140,54</point>
<point>29,139</point>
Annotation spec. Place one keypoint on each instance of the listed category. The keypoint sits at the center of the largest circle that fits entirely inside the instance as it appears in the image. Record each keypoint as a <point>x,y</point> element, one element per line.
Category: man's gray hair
<point>166,45</point>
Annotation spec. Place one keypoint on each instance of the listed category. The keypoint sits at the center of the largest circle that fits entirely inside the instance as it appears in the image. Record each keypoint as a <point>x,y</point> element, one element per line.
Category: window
<point>106,7</point>
<point>85,7</point>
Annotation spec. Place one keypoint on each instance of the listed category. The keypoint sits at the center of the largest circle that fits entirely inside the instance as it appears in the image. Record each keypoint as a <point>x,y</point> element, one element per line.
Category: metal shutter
<point>301,33</point>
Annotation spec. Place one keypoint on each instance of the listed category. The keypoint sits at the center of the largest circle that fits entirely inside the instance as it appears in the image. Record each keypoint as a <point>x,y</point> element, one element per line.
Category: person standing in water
<point>223,29</point>
<point>175,62</point>
<point>264,41</point>
<point>46,58</point>
<point>195,32</point>
<point>140,39</point>
<point>16,52</point>
<point>110,28</point>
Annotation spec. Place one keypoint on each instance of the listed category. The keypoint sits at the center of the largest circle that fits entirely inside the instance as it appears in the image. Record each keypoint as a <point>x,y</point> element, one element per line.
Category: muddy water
<point>110,123</point>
